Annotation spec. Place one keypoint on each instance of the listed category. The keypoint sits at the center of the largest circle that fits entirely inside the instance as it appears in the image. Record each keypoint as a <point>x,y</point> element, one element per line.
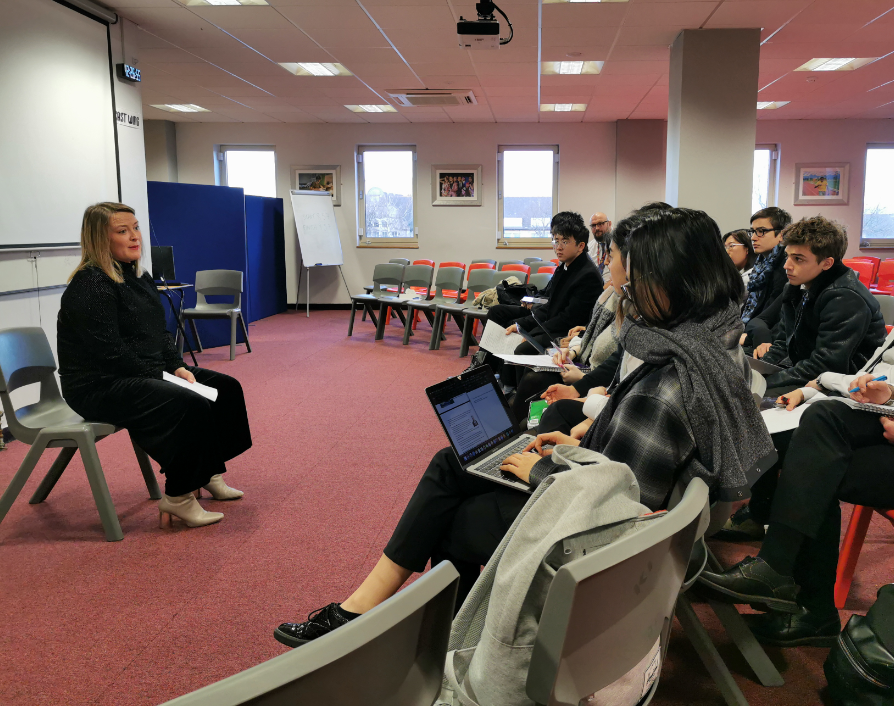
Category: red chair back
<point>546,268</point>
<point>526,269</point>
<point>481,266</point>
<point>874,261</point>
<point>885,284</point>
<point>430,263</point>
<point>863,270</point>
<point>453,264</point>
<point>555,262</point>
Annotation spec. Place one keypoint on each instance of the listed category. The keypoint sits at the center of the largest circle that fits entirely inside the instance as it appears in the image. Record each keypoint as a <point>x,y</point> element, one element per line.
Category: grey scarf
<point>729,431</point>
<point>601,319</point>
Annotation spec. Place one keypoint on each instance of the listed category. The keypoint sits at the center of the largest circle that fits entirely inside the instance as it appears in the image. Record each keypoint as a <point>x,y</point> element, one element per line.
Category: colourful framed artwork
<point>321,178</point>
<point>456,185</point>
<point>823,182</point>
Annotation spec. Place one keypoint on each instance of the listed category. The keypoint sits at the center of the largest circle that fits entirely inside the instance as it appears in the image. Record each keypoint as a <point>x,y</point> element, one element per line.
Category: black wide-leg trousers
<point>190,437</point>
<point>836,453</point>
<point>504,315</point>
<point>456,516</point>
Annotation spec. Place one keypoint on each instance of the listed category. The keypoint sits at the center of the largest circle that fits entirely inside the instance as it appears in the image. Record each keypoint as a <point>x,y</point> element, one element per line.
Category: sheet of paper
<point>495,340</point>
<point>780,419</point>
<point>542,361</point>
<point>197,387</point>
<point>409,296</point>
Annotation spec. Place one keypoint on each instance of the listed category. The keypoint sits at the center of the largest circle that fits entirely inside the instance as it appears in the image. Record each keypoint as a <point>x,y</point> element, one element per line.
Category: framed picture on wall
<point>319,178</point>
<point>823,182</point>
<point>456,185</point>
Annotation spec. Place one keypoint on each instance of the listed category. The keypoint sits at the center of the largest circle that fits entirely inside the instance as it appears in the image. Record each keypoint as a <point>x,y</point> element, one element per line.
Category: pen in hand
<point>880,378</point>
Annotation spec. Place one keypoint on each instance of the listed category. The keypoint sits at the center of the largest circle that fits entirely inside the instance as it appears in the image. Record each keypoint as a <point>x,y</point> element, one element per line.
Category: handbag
<point>860,667</point>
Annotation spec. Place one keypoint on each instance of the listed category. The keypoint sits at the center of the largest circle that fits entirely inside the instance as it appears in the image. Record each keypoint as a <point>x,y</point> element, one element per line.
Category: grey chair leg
<point>747,644</point>
<point>408,325</point>
<point>468,322</point>
<point>146,470</point>
<point>437,325</point>
<point>99,487</point>
<point>353,314</point>
<point>708,654</point>
<point>195,333</point>
<point>244,332</point>
<point>21,477</point>
<point>233,336</point>
<point>383,319</point>
<point>53,475</point>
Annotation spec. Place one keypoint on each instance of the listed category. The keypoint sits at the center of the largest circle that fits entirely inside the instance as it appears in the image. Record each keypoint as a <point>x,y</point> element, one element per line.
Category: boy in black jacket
<point>829,320</point>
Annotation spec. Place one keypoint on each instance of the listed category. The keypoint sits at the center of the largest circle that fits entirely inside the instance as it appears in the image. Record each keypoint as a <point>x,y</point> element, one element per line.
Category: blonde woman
<point>113,348</point>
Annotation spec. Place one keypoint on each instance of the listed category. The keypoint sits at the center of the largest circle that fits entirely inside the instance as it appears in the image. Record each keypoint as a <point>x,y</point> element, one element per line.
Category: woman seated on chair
<point>113,349</point>
<point>685,411</point>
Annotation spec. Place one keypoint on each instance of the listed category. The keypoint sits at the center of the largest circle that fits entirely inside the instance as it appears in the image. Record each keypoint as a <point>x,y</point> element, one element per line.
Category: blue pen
<point>878,379</point>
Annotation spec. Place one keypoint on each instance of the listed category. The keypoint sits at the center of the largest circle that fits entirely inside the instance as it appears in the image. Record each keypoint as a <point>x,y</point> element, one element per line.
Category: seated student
<point>113,348</point>
<point>685,412</point>
<point>767,278</point>
<point>572,292</point>
<point>794,571</point>
<point>741,251</point>
<point>829,320</point>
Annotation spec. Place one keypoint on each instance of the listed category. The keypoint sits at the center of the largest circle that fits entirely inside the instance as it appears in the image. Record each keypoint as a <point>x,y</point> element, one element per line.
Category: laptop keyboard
<point>491,466</point>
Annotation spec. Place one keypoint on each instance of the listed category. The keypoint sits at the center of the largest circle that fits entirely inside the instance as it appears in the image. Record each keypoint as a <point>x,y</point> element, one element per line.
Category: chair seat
<point>55,413</point>
<point>475,313</point>
<point>212,309</point>
<point>430,304</point>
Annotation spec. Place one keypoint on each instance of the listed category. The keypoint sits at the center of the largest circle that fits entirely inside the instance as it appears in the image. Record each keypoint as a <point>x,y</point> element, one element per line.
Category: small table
<point>179,288</point>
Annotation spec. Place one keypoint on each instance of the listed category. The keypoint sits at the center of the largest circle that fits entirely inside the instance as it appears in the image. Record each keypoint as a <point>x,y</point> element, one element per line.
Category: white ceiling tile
<point>625,68</point>
<point>385,117</point>
<point>244,17</point>
<point>164,17</point>
<point>640,53</point>
<point>423,37</point>
<point>387,83</point>
<point>578,37</point>
<point>124,5</point>
<point>167,55</point>
<point>412,17</point>
<point>658,36</point>
<point>451,81</point>
<point>429,118</point>
<point>459,68</point>
<point>561,117</point>
<point>294,117</point>
<point>584,14</point>
<point>286,45</point>
<point>679,14</point>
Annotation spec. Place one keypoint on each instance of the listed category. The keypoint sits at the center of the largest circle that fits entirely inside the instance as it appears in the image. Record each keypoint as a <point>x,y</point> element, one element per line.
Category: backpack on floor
<point>860,667</point>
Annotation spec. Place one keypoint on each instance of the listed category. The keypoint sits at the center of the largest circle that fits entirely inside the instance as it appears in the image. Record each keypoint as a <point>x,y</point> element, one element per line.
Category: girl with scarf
<point>687,391</point>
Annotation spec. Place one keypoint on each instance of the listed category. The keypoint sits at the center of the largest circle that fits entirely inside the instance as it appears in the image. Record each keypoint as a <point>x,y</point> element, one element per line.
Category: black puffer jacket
<point>833,326</point>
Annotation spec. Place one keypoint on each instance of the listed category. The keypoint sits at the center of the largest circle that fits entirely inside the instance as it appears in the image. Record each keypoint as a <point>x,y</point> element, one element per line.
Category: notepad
<point>532,361</point>
<point>197,387</point>
<point>495,340</point>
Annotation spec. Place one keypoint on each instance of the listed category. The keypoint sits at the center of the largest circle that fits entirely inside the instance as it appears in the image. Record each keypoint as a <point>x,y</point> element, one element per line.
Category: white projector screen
<point>57,124</point>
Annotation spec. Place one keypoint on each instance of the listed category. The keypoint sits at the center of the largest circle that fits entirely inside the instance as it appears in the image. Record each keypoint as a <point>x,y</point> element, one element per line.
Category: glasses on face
<point>760,232</point>
<point>561,242</point>
<point>598,225</point>
<point>733,246</point>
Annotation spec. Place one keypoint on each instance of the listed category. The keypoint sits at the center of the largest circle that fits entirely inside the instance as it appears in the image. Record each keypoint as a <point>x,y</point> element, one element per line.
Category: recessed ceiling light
<point>549,68</point>
<point>562,107</point>
<point>847,64</point>
<point>371,108</point>
<point>307,68</point>
<point>226,2</point>
<point>182,108</point>
<point>771,105</point>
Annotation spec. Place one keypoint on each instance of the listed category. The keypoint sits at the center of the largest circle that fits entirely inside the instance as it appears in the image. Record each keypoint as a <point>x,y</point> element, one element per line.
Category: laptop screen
<point>473,414</point>
<point>163,263</point>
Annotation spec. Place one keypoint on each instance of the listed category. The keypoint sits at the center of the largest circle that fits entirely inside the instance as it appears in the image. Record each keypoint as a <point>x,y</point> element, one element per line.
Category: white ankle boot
<point>187,508</point>
<point>220,490</point>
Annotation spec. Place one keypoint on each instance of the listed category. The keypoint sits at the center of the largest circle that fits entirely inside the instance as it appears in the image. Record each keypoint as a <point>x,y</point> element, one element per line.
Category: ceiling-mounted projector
<point>483,33</point>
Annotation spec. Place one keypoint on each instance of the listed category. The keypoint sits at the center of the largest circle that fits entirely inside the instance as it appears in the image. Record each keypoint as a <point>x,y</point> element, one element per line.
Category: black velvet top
<point>108,330</point>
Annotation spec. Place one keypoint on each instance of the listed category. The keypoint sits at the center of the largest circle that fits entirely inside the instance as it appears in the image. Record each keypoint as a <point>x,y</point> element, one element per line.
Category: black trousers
<point>530,384</point>
<point>190,437</point>
<point>836,453</point>
<point>561,416</point>
<point>456,516</point>
<point>504,315</point>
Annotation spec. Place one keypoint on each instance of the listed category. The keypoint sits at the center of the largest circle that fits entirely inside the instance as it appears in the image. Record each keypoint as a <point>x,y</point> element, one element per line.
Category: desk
<point>166,289</point>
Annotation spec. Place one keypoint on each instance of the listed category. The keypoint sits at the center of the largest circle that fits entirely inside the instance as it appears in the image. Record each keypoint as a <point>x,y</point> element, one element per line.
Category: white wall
<point>833,141</point>
<point>586,183</point>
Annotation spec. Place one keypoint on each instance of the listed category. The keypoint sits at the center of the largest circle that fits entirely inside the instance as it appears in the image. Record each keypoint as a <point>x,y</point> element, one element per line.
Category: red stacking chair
<point>555,262</point>
<point>518,268</point>
<point>850,549</point>
<point>476,266</point>
<point>863,270</point>
<point>551,269</point>
<point>874,261</point>
<point>885,283</point>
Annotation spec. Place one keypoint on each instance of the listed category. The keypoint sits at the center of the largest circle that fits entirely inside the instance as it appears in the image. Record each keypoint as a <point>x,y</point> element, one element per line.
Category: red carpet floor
<point>342,431</point>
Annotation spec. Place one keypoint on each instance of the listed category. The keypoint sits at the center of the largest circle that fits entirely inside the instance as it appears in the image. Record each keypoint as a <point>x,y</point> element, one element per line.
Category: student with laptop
<point>829,320</point>
<point>666,431</point>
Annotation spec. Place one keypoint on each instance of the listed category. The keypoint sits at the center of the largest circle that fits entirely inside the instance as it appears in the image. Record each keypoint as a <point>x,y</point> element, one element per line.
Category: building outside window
<point>763,190</point>
<point>386,179</point>
<point>878,196</point>
<point>528,193</point>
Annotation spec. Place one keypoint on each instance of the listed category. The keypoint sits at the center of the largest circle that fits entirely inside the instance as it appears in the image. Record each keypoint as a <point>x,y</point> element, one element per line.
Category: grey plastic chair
<point>605,611</point>
<point>448,278</point>
<point>530,261</point>
<point>540,280</point>
<point>503,263</point>
<point>472,314</point>
<point>479,280</point>
<point>886,302</point>
<point>385,275</point>
<point>419,276</point>
<point>400,261</point>
<point>25,359</point>
<point>391,656</point>
<point>218,283</point>
<point>489,262</point>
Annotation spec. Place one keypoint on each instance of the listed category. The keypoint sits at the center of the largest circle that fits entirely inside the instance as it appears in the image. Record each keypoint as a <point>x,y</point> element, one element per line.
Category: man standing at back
<point>599,227</point>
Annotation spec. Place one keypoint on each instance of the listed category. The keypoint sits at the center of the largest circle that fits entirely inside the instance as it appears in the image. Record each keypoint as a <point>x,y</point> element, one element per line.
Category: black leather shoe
<point>753,581</point>
<point>741,528</point>
<point>795,629</point>
<point>321,622</point>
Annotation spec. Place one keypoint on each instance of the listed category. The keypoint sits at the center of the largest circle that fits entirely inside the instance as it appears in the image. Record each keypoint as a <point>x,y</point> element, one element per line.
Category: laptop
<point>476,419</point>
<point>762,367</point>
<point>163,264</point>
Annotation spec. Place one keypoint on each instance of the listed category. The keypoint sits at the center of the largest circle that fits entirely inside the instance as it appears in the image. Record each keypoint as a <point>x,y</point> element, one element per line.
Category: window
<point>251,167</point>
<point>763,189</point>
<point>386,195</point>
<point>878,197</point>
<point>528,194</point>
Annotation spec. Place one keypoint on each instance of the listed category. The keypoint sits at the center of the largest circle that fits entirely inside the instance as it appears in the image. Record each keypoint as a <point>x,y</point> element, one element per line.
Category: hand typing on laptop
<point>520,464</point>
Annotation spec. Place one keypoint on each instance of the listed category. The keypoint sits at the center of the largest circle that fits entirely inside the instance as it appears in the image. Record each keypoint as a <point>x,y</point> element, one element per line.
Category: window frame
<point>773,177</point>
<point>869,243</point>
<point>525,243</point>
<point>362,240</point>
<point>223,169</point>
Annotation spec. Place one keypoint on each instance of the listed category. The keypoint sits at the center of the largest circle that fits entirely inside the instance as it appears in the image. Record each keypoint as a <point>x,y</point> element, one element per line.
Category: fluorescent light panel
<point>182,108</point>
<point>843,64</point>
<point>226,2</point>
<point>771,105</point>
<point>312,68</point>
<point>570,68</point>
<point>562,107</point>
<point>371,108</point>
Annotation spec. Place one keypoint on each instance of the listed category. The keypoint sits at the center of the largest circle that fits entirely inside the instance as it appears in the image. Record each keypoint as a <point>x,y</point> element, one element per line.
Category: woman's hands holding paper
<point>185,374</point>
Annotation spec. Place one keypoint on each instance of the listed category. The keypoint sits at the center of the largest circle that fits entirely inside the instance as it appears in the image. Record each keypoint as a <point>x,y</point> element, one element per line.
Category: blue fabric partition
<point>206,227</point>
<point>266,246</point>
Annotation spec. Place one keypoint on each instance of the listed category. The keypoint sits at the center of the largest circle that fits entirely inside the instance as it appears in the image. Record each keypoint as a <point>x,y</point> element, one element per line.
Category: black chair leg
<point>245,332</point>
<point>383,319</point>
<point>195,333</point>
<point>353,313</point>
